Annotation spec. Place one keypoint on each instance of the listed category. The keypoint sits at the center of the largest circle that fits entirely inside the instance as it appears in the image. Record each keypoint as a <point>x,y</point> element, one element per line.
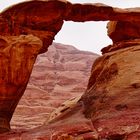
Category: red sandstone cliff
<point>58,75</point>
<point>109,109</point>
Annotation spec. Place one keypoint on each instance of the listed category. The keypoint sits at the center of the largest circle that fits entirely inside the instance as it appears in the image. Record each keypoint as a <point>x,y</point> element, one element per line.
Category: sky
<point>89,36</point>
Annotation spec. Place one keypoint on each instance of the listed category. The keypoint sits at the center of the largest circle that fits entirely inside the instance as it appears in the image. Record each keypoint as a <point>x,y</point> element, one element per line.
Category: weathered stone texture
<point>17,56</point>
<point>109,109</point>
<point>112,99</point>
<point>51,84</point>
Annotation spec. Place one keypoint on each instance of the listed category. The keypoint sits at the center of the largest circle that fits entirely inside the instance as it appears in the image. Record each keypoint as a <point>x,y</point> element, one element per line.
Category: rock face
<point>56,77</point>
<point>31,17</point>
<point>109,109</point>
<point>16,53</point>
<point>112,97</point>
<point>130,30</point>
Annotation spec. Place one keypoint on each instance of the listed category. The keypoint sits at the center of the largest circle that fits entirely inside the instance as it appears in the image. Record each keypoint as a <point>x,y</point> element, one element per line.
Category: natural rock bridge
<point>110,107</point>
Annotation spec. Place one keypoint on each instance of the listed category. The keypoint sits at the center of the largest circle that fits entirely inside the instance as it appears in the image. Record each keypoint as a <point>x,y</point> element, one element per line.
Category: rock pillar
<point>17,56</point>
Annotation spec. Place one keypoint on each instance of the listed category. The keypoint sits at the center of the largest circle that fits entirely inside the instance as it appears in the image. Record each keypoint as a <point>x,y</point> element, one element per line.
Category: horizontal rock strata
<point>50,84</point>
<point>110,107</point>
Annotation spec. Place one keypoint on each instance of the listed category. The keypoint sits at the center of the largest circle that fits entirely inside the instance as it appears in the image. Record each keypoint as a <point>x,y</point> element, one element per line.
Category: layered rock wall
<point>109,109</point>
<point>50,84</point>
<point>112,97</point>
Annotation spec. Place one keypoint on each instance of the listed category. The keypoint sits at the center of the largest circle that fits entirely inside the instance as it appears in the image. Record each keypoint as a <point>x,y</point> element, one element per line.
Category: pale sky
<point>89,36</point>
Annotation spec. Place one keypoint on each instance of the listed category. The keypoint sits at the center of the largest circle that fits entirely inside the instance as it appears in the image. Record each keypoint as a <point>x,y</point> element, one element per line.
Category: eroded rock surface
<point>108,110</point>
<point>113,93</point>
<point>110,107</point>
<point>130,30</point>
<point>56,77</point>
<point>16,53</point>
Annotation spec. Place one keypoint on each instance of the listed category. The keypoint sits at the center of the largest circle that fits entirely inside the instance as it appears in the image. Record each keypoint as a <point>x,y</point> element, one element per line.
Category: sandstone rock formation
<point>109,109</point>
<point>31,17</point>
<point>16,53</point>
<point>51,84</point>
<point>130,30</point>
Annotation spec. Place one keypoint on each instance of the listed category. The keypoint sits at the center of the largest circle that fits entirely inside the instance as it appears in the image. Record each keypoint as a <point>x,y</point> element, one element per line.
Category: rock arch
<point>44,19</point>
